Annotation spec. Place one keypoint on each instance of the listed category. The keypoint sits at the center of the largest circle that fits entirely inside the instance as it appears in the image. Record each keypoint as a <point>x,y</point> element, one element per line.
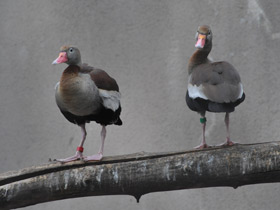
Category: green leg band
<point>203,120</point>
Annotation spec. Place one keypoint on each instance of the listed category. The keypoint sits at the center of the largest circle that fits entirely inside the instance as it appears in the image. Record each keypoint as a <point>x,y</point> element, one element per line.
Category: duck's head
<point>203,37</point>
<point>70,55</point>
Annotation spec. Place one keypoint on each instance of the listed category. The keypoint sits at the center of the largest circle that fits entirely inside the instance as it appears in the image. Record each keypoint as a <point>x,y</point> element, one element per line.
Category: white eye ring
<point>71,50</point>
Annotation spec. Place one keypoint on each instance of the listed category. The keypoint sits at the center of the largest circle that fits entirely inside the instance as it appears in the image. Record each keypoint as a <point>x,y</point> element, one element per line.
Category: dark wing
<point>101,79</point>
<point>108,87</point>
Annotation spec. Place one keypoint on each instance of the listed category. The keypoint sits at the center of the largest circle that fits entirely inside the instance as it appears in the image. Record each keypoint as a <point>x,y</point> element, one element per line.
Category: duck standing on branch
<point>86,94</point>
<point>212,86</point>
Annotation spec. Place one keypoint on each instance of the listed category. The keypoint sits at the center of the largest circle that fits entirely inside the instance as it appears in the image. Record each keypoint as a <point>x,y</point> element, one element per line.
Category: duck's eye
<point>71,50</point>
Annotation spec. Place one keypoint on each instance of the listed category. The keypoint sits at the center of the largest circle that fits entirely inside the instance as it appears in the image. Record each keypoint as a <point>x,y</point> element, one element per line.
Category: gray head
<point>203,37</point>
<point>70,55</point>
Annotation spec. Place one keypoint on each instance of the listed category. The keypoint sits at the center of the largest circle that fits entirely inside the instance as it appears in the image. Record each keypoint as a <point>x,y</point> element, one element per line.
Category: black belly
<point>202,105</point>
<point>103,117</point>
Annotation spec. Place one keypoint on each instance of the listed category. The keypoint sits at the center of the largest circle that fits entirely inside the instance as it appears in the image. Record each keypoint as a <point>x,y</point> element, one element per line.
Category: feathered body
<point>80,99</point>
<point>214,87</point>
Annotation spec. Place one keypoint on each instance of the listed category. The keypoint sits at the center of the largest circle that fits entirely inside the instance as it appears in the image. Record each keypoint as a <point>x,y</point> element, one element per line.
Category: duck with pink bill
<point>86,94</point>
<point>212,86</point>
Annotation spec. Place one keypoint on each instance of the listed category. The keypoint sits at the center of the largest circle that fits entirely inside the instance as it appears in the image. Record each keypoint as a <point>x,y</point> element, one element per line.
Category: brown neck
<point>71,69</point>
<point>199,57</point>
<point>70,72</point>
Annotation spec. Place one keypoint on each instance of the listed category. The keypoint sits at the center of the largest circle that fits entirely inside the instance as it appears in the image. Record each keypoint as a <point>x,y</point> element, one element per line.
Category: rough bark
<point>141,173</point>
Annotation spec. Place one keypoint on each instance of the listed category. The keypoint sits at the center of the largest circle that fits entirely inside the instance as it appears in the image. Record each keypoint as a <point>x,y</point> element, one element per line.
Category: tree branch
<point>141,173</point>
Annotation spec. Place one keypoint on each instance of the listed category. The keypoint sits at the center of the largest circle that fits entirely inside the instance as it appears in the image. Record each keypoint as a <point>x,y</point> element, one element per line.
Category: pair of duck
<point>86,94</point>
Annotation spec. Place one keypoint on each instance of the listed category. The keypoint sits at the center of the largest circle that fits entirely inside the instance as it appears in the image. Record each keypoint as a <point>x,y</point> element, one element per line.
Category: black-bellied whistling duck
<point>86,94</point>
<point>212,86</point>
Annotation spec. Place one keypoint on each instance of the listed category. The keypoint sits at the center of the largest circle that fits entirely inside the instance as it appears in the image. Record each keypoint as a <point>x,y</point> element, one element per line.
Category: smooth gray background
<point>145,45</point>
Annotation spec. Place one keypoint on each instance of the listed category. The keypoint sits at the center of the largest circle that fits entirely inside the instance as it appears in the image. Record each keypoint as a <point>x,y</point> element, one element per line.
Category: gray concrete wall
<point>145,45</point>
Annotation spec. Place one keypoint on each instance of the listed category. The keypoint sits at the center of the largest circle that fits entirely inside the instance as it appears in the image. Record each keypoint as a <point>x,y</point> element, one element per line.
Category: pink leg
<point>79,153</point>
<point>228,141</point>
<point>99,155</point>
<point>203,143</point>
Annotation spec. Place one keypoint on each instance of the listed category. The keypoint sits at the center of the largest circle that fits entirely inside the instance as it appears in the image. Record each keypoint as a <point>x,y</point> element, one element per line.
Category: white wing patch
<point>56,86</point>
<point>111,99</point>
<point>196,91</point>
<point>241,91</point>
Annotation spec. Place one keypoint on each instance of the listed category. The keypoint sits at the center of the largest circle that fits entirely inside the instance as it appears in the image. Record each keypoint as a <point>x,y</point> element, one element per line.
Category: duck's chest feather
<point>78,94</point>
